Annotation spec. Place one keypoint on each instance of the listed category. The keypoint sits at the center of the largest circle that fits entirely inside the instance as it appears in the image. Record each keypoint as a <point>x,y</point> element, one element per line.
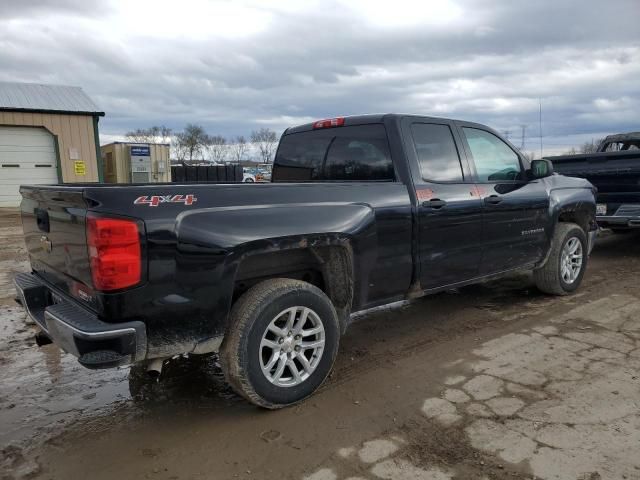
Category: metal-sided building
<point>48,134</point>
<point>125,162</point>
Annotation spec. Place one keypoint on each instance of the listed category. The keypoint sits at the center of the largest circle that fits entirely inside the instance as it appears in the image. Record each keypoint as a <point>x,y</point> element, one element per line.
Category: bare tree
<point>165,133</point>
<point>178,151</point>
<point>190,142</point>
<point>571,151</point>
<point>142,135</point>
<point>266,141</point>
<point>217,147</point>
<point>155,134</point>
<point>586,147</point>
<point>238,148</point>
<point>590,147</point>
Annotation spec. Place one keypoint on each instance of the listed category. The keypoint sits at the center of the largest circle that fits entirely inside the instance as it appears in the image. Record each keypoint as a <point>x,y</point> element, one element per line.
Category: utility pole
<point>540,122</point>
<point>524,128</point>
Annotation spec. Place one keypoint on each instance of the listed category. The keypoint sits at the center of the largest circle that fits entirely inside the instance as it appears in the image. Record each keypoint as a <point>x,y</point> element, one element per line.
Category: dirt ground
<point>493,381</point>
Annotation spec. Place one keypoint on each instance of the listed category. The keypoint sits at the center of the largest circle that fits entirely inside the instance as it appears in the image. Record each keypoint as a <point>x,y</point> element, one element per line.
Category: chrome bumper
<point>618,221</point>
<point>78,331</point>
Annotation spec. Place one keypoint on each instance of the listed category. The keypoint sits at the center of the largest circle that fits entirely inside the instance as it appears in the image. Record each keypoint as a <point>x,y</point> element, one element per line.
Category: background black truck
<point>362,211</point>
<point>615,171</point>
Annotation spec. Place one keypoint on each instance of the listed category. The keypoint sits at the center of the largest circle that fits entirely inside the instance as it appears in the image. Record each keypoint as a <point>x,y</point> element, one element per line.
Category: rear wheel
<point>281,343</point>
<point>563,271</point>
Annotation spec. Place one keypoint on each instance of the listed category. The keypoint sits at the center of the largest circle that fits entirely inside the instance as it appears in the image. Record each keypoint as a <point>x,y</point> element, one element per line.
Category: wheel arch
<point>569,205</point>
<point>328,265</point>
<point>247,244</point>
<point>573,205</point>
<point>579,216</point>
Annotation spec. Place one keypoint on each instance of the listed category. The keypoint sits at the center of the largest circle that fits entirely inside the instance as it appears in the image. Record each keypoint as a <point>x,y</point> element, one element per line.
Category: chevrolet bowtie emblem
<point>46,243</point>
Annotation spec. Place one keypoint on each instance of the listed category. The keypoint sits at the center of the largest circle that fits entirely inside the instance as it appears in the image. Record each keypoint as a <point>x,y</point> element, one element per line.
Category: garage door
<point>27,156</point>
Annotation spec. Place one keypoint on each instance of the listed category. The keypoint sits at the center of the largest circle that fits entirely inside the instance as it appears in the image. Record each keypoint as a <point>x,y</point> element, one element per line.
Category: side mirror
<point>541,168</point>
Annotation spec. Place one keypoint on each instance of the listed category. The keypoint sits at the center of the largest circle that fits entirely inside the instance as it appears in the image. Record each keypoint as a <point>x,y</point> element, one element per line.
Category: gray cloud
<point>26,9</point>
<point>491,63</point>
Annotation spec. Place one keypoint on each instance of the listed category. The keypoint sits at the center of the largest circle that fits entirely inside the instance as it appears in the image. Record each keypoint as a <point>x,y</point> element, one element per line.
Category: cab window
<point>495,161</point>
<point>353,153</point>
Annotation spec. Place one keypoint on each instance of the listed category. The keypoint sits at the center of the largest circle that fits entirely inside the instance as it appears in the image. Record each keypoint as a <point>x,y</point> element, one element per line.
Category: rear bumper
<point>78,331</point>
<point>616,221</point>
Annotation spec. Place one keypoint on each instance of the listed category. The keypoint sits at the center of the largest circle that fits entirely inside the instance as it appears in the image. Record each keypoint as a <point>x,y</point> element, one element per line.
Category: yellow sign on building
<point>80,167</point>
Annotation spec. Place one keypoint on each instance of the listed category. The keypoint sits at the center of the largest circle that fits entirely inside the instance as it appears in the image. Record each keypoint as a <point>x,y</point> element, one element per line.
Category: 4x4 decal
<point>155,200</point>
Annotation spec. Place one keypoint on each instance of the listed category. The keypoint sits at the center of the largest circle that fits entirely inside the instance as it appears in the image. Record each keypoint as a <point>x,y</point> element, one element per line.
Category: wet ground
<point>493,381</point>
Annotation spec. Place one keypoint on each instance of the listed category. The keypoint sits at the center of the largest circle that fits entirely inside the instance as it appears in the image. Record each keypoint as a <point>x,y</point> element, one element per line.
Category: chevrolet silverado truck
<point>615,171</point>
<point>361,211</point>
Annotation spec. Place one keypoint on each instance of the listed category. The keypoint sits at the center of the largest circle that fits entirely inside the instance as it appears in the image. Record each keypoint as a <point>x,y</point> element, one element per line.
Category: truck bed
<point>616,175</point>
<point>592,165</point>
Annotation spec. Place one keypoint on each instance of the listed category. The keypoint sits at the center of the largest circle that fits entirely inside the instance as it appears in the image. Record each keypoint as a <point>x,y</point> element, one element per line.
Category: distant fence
<point>206,173</point>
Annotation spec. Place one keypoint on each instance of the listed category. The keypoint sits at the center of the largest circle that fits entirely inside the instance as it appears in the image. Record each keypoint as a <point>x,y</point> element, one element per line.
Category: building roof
<point>46,98</point>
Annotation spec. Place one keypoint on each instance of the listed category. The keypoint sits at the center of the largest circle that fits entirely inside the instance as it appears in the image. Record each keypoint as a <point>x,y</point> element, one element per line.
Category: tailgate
<point>53,219</point>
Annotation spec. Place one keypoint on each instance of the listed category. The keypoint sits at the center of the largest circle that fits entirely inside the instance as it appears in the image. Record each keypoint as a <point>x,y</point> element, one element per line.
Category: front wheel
<point>281,342</point>
<point>564,268</point>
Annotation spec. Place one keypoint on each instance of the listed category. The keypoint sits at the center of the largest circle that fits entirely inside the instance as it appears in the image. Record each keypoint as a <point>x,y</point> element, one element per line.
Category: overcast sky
<point>232,66</point>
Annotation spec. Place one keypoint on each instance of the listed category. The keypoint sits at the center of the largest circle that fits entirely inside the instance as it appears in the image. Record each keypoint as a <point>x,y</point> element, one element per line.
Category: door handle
<point>493,199</point>
<point>435,203</point>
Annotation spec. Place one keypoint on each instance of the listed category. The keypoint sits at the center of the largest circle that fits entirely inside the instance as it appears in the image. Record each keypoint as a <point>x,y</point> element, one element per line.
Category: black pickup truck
<point>361,211</point>
<point>615,171</point>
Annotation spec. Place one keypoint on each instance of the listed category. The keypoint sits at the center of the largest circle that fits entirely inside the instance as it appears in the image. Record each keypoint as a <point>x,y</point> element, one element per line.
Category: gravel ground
<point>492,381</point>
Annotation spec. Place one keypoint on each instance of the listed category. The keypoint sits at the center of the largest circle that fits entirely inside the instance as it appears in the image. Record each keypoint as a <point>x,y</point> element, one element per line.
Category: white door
<point>27,156</point>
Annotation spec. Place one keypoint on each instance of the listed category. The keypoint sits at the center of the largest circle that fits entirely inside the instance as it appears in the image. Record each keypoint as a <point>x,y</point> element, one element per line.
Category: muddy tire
<point>563,271</point>
<point>281,342</point>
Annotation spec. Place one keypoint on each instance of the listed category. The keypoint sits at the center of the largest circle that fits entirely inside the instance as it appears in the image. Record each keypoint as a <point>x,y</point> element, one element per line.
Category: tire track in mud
<point>556,401</point>
<point>431,330</point>
<point>516,305</point>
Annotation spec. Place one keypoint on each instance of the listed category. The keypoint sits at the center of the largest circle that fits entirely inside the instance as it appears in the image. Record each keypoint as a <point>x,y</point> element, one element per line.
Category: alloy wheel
<point>291,347</point>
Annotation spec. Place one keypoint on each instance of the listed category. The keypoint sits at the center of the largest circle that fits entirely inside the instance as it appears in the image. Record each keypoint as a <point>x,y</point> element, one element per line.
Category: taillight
<point>114,252</point>
<point>329,122</point>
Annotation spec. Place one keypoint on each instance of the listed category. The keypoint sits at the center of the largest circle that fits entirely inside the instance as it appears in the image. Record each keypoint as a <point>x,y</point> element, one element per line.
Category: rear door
<point>515,209</point>
<point>449,213</point>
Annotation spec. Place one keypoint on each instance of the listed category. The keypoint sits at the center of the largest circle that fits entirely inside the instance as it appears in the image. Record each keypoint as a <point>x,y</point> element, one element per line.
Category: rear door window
<point>356,153</point>
<point>437,153</point>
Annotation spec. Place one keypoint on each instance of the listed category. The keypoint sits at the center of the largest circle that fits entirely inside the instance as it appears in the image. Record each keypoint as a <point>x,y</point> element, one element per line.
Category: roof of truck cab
<point>351,120</point>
